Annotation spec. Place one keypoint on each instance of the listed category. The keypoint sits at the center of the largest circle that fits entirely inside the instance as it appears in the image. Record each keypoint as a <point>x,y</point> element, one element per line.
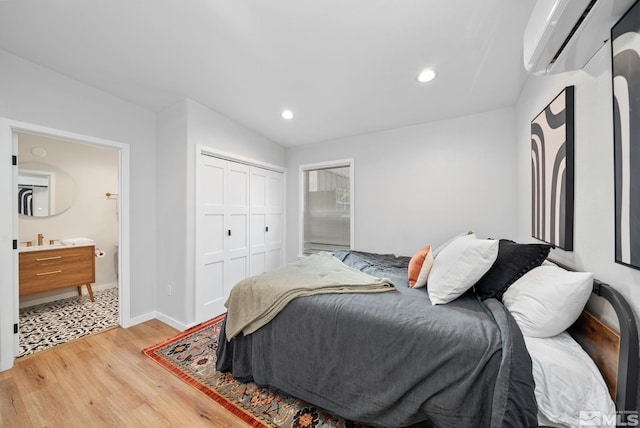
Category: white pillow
<point>567,381</point>
<point>460,265</point>
<point>548,299</point>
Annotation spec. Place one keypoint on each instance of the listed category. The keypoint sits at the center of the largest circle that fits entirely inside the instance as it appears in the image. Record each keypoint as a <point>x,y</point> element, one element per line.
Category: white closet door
<point>275,220</point>
<point>266,220</point>
<point>222,233</point>
<point>211,292</point>
<point>258,220</point>
<point>239,227</point>
<point>237,192</point>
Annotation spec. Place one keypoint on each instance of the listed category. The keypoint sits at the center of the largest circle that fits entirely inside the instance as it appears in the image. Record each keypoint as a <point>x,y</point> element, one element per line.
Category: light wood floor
<point>104,380</point>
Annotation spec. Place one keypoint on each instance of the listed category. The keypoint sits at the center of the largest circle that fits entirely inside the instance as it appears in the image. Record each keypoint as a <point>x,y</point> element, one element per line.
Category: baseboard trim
<point>160,317</point>
<point>172,322</point>
<point>140,319</point>
<point>27,301</point>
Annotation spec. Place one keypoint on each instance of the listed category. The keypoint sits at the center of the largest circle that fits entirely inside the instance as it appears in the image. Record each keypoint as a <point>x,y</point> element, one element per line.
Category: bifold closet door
<point>222,232</point>
<point>237,233</point>
<point>266,220</point>
<point>275,220</point>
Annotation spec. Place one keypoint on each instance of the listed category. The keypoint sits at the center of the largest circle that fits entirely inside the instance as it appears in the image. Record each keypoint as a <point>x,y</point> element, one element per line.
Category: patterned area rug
<point>191,355</point>
<point>49,324</point>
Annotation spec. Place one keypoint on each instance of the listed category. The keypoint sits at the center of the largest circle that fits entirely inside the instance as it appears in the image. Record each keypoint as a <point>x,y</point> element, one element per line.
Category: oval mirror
<point>44,190</point>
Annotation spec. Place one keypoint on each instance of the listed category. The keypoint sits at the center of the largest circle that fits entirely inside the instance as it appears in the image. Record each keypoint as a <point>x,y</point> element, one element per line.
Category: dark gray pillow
<point>513,261</point>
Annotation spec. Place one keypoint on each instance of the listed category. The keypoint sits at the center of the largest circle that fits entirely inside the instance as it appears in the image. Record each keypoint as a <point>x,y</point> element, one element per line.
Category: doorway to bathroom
<point>68,212</point>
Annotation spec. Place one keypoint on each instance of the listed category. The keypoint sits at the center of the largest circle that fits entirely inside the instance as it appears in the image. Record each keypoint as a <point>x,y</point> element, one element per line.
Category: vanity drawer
<point>58,268</point>
<point>56,256</point>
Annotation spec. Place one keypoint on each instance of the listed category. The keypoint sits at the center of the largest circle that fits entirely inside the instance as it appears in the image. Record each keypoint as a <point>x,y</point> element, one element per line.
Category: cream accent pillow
<point>460,265</point>
<point>419,267</point>
<point>546,300</point>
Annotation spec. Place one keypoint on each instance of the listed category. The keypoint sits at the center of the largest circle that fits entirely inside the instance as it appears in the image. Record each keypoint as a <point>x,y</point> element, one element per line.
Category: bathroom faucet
<point>40,238</point>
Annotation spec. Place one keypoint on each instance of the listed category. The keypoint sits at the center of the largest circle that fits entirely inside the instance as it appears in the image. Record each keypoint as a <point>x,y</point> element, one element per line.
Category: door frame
<point>9,299</point>
<point>202,150</point>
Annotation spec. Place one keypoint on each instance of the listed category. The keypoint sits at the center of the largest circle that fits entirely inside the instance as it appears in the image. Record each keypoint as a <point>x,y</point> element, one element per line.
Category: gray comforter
<point>393,359</point>
<point>256,300</point>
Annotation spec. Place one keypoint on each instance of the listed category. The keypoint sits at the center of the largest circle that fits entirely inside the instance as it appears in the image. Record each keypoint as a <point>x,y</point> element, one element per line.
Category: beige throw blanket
<point>256,300</point>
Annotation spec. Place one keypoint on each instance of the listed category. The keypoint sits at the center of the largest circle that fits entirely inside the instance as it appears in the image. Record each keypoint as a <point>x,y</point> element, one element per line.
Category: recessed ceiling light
<point>287,114</point>
<point>426,75</point>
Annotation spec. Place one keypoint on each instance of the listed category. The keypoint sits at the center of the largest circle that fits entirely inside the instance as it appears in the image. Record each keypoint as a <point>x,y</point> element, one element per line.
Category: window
<point>327,206</point>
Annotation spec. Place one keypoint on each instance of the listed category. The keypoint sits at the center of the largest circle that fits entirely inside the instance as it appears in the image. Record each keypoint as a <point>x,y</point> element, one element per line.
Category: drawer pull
<point>49,273</point>
<point>48,258</point>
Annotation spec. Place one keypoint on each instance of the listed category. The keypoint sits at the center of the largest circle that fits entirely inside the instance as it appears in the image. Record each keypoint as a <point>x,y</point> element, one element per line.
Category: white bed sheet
<point>568,384</point>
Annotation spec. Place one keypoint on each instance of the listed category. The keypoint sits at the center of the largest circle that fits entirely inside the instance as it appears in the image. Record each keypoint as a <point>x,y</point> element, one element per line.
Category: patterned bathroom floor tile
<point>49,324</point>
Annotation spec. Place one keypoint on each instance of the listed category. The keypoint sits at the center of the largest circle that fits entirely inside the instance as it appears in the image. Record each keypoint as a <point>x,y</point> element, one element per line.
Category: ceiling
<point>344,67</point>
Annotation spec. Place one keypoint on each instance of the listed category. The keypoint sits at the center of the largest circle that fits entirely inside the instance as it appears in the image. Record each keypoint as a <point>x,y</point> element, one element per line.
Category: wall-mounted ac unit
<point>563,35</point>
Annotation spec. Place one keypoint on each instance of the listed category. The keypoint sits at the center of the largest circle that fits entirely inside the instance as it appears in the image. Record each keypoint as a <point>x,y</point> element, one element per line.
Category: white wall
<point>180,128</point>
<point>594,221</point>
<point>420,185</point>
<point>171,214</point>
<point>594,181</point>
<point>211,129</point>
<point>33,94</point>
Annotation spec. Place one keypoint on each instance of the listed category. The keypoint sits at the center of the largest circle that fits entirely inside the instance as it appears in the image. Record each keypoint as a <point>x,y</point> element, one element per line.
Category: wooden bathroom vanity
<point>57,267</point>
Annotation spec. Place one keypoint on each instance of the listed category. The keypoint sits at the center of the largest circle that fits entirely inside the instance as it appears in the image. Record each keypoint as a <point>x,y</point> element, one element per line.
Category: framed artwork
<point>625,66</point>
<point>552,166</point>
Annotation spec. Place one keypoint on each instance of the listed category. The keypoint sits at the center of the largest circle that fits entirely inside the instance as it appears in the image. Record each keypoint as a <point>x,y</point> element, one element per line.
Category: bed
<point>394,359</point>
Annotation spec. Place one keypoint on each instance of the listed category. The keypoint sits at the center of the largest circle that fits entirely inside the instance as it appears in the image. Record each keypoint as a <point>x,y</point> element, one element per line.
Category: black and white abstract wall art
<point>552,165</point>
<point>625,48</point>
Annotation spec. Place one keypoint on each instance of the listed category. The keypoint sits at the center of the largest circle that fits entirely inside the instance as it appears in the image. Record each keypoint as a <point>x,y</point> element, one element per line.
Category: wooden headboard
<point>615,354</point>
<point>602,344</point>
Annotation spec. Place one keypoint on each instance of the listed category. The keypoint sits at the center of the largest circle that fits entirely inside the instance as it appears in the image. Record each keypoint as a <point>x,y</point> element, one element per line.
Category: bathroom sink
<point>39,247</point>
<point>70,242</point>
